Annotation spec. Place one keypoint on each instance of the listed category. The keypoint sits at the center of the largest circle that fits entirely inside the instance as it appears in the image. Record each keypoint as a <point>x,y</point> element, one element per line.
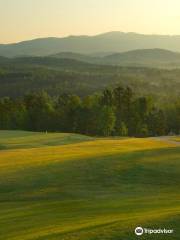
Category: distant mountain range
<point>153,58</point>
<point>137,58</point>
<point>145,58</point>
<point>99,45</point>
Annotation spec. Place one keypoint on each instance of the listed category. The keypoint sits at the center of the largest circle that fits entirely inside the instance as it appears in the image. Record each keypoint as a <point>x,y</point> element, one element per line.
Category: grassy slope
<point>20,139</point>
<point>86,190</point>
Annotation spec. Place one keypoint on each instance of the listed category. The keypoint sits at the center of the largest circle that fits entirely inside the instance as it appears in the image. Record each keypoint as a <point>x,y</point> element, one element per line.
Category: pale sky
<point>29,19</point>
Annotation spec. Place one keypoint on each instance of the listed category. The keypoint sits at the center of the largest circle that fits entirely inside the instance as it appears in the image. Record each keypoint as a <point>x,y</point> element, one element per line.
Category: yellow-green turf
<point>72,187</point>
<point>177,139</point>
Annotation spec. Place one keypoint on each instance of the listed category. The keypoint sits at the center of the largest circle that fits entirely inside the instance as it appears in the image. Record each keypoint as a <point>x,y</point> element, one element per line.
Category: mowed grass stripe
<point>75,224</point>
<point>13,159</point>
<point>99,189</point>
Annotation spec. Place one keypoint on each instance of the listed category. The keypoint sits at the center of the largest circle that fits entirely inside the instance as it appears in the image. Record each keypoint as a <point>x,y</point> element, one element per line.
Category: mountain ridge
<point>139,57</point>
<point>152,58</point>
<point>84,44</point>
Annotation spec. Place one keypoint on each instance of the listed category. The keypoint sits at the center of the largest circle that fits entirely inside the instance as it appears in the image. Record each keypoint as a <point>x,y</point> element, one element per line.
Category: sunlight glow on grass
<point>83,188</point>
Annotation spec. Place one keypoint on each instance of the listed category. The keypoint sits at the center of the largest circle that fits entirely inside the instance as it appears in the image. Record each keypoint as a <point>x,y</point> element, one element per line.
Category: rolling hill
<point>107,42</point>
<point>152,58</point>
<point>145,57</point>
<point>79,57</point>
<point>158,58</point>
<point>86,189</point>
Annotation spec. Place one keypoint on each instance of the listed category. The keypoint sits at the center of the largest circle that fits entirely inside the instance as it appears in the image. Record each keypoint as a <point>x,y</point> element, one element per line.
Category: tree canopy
<point>115,112</point>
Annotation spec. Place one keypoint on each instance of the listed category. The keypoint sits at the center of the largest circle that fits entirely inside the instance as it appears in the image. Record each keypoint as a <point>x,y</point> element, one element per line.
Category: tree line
<point>114,112</point>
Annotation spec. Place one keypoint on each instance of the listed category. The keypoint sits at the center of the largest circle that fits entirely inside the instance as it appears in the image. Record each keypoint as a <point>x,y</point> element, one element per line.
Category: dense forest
<point>66,95</point>
<point>115,112</point>
<point>20,76</point>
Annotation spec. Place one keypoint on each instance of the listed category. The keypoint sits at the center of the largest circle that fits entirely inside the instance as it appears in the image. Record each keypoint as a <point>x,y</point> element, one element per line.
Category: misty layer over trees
<point>20,76</point>
<point>66,95</point>
<point>115,112</point>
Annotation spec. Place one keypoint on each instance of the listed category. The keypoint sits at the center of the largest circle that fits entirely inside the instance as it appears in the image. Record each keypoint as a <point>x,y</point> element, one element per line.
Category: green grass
<point>177,139</point>
<point>78,188</point>
<point>22,139</point>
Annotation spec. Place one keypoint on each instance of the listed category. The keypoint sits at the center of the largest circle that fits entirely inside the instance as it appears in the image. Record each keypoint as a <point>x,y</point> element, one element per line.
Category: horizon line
<point>89,35</point>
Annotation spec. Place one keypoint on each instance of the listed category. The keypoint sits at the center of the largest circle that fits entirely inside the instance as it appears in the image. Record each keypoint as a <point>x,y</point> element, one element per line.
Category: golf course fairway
<point>72,187</point>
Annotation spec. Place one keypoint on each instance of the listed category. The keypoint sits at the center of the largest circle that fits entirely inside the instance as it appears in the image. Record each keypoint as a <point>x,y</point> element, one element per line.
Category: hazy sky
<point>28,19</point>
